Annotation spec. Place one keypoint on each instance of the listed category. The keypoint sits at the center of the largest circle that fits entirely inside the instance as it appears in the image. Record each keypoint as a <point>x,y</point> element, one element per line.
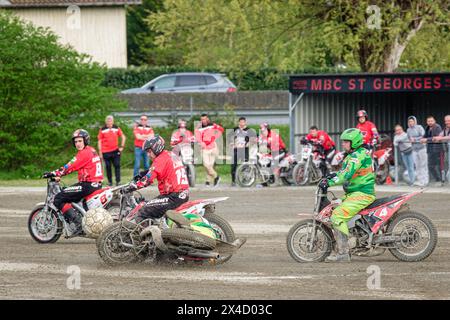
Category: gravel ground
<point>261,269</point>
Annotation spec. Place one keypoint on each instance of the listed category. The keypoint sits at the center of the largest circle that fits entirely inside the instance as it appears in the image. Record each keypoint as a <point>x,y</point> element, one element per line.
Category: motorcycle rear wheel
<point>407,225</point>
<point>224,229</point>
<point>298,243</point>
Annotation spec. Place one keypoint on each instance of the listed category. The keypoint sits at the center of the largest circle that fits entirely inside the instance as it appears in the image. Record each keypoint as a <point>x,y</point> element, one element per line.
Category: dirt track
<point>262,269</point>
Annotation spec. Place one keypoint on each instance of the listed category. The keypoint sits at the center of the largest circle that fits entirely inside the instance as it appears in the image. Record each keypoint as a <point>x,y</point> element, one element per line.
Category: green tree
<point>47,91</point>
<point>369,35</point>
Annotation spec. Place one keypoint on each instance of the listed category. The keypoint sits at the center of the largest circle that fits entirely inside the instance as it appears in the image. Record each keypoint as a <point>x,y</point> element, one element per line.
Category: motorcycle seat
<point>383,200</point>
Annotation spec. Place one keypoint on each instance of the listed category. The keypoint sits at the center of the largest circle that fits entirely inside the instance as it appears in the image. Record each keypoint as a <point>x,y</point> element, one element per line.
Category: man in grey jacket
<point>401,141</point>
<point>434,150</point>
<point>415,133</point>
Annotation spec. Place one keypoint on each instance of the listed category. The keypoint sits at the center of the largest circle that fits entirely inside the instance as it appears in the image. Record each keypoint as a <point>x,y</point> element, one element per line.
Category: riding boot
<point>342,253</point>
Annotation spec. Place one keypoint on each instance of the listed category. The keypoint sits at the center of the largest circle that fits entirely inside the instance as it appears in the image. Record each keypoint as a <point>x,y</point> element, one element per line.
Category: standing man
<point>433,149</point>
<point>141,133</point>
<point>401,141</point>
<point>108,146</point>
<point>206,133</point>
<point>240,140</point>
<point>182,135</point>
<point>415,133</point>
<point>368,130</point>
<point>444,137</point>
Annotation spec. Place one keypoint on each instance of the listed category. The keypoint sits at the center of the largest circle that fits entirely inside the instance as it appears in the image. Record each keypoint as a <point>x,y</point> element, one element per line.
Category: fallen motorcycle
<point>387,223</point>
<point>46,223</point>
<point>191,232</point>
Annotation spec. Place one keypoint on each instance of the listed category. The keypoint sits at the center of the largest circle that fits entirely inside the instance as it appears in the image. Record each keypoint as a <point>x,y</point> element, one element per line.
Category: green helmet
<point>353,135</point>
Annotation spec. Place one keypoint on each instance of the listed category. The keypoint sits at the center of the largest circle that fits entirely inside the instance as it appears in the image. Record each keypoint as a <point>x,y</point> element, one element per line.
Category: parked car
<point>187,82</point>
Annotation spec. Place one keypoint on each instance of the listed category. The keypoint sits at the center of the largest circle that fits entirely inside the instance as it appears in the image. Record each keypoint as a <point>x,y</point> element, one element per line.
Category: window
<point>189,81</point>
<point>210,79</point>
<point>166,82</point>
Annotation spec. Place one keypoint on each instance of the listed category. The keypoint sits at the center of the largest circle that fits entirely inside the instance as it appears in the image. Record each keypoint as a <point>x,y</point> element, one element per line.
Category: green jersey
<point>357,173</point>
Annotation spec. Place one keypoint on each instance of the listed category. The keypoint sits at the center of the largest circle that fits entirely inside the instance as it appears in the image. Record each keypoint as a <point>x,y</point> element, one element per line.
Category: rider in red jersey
<point>368,130</point>
<point>173,184</point>
<point>90,177</point>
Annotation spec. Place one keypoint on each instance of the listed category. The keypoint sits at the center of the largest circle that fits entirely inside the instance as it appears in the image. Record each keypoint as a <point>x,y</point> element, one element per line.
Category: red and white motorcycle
<point>46,223</point>
<point>387,223</point>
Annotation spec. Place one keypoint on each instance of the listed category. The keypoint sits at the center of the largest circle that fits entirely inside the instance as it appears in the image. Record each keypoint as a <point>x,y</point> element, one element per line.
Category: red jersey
<point>109,138</point>
<point>181,137</point>
<point>168,169</point>
<point>273,141</point>
<point>323,139</point>
<point>144,130</point>
<point>369,132</point>
<point>87,163</point>
<point>207,136</point>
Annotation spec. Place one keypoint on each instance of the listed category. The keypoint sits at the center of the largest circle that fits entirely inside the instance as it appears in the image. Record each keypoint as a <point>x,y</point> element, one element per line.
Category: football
<point>95,221</point>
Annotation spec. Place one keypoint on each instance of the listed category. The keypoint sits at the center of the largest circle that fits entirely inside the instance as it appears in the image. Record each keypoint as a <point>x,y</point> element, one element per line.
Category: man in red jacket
<point>206,134</point>
<point>90,177</point>
<point>173,183</point>
<point>368,130</point>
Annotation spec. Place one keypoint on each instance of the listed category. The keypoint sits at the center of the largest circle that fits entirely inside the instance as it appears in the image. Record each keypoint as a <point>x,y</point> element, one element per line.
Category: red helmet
<point>81,133</point>
<point>362,113</point>
<point>155,144</point>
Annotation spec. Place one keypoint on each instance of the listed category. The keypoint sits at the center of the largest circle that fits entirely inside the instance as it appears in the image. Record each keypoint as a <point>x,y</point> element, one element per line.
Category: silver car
<point>187,82</point>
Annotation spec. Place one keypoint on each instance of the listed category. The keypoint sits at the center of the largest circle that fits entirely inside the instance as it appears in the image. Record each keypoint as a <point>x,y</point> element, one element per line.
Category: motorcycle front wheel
<point>299,174</point>
<point>246,175</point>
<point>303,248</point>
<point>44,226</point>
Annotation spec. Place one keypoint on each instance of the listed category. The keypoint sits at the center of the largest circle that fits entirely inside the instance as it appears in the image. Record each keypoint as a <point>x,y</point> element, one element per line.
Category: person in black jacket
<point>434,150</point>
<point>240,139</point>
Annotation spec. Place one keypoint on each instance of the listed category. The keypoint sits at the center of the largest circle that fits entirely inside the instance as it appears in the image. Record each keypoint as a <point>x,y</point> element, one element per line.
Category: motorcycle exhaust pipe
<point>203,254</point>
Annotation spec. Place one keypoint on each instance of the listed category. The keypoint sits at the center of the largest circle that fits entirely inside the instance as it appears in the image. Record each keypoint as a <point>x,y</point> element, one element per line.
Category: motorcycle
<point>387,223</point>
<point>166,239</point>
<point>263,169</point>
<point>186,152</point>
<point>46,223</point>
<point>381,164</point>
<point>313,164</point>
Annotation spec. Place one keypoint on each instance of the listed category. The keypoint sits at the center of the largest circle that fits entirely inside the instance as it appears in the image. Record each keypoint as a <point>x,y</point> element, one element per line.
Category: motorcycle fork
<point>312,236</point>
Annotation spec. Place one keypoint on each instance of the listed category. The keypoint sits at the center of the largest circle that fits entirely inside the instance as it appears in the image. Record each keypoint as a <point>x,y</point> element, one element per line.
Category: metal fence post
<point>396,164</point>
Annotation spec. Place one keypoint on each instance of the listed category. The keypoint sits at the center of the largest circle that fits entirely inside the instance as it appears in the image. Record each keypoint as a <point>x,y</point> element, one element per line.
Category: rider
<point>322,138</point>
<point>90,176</point>
<point>273,143</point>
<point>358,180</point>
<point>368,130</point>
<point>173,184</point>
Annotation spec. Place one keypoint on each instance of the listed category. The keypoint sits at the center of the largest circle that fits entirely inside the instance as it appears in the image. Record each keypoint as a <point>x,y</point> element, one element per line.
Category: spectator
<point>405,147</point>
<point>368,130</point>
<point>182,135</point>
<point>444,137</point>
<point>142,131</point>
<point>239,140</point>
<point>109,150</point>
<point>415,133</point>
<point>433,149</point>
<point>322,138</point>
<point>206,133</point>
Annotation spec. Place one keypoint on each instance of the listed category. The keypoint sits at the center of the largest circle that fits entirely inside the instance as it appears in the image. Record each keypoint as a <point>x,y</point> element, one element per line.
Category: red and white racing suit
<point>369,132</point>
<point>90,177</point>
<point>173,185</point>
